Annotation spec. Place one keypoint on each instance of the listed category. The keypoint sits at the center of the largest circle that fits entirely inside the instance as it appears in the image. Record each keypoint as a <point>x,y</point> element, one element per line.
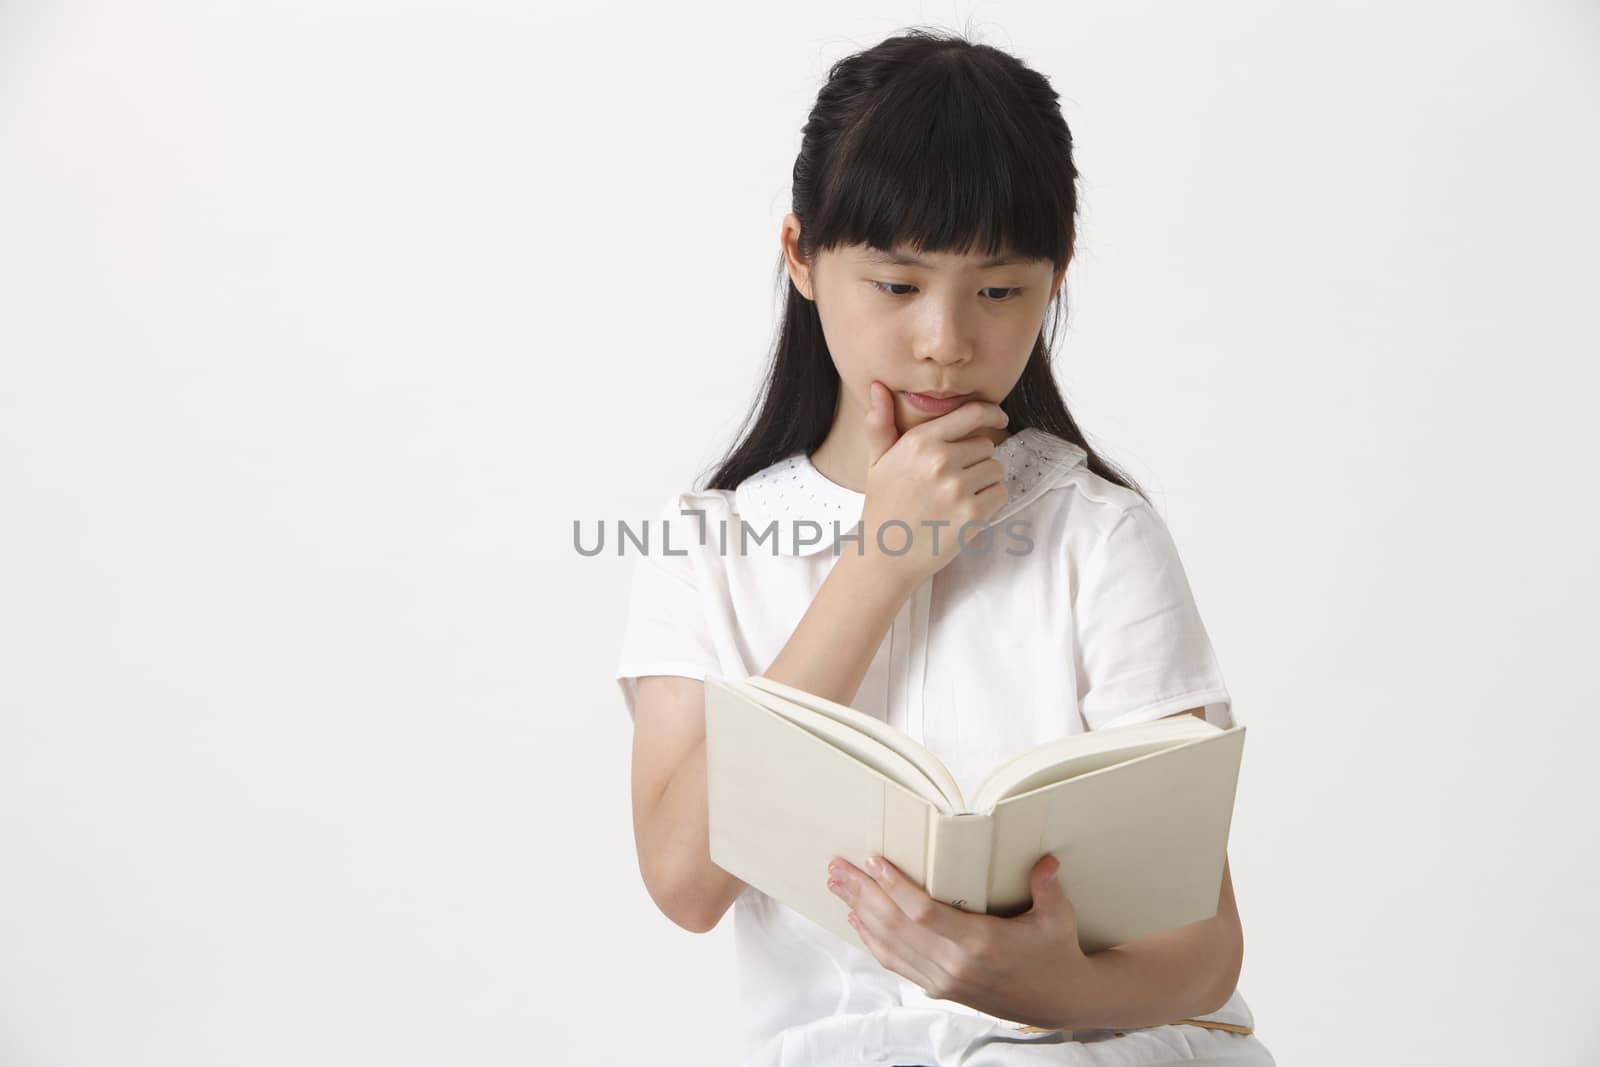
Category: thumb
<point>1049,899</point>
<point>881,431</point>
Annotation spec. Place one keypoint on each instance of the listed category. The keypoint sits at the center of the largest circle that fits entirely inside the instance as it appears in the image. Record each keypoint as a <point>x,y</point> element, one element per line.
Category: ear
<point>799,270</point>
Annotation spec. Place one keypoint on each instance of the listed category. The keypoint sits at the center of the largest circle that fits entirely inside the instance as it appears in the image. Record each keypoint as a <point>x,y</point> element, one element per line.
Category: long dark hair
<point>933,141</point>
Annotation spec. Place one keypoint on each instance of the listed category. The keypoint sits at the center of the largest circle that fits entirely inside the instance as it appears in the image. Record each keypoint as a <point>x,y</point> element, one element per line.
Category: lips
<point>939,395</point>
<point>942,404</point>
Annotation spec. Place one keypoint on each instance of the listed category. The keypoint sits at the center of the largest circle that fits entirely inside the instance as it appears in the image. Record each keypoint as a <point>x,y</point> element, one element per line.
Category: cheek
<point>861,357</point>
<point>854,341</point>
<point>856,379</point>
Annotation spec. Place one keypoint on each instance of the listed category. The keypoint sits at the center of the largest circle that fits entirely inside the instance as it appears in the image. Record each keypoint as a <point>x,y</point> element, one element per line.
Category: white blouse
<point>1078,616</point>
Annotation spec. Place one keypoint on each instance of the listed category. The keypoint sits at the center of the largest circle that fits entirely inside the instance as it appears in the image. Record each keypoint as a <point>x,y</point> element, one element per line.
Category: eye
<point>885,287</point>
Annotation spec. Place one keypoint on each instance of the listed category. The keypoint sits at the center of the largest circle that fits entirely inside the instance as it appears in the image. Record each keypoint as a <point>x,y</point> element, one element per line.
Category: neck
<point>842,456</point>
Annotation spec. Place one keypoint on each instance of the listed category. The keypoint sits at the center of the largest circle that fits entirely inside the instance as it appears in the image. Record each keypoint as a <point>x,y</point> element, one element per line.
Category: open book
<point>1138,816</point>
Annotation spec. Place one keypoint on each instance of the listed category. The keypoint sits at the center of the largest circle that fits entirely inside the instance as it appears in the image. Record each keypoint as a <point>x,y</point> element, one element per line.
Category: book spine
<point>959,851</point>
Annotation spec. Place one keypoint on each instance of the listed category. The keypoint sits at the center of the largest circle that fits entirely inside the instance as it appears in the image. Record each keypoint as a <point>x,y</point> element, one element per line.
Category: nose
<point>944,342</point>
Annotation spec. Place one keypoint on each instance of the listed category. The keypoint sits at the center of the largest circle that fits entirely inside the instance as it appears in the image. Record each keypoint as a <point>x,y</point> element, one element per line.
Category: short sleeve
<point>665,628</point>
<point>1143,652</point>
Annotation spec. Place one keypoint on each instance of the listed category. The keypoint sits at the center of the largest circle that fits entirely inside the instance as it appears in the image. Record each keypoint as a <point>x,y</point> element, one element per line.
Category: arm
<point>1176,974</point>
<point>828,654</point>
<point>830,650</point>
<point>670,829</point>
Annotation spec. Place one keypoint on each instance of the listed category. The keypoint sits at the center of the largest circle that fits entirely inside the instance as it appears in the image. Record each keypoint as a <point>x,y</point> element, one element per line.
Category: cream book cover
<point>1137,815</point>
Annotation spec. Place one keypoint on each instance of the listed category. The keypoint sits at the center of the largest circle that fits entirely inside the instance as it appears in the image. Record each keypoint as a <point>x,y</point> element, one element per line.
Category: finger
<point>889,955</point>
<point>915,944</point>
<point>981,475</point>
<point>969,450</point>
<point>993,498</point>
<point>939,933</point>
<point>964,421</point>
<point>881,431</point>
<point>1050,904</point>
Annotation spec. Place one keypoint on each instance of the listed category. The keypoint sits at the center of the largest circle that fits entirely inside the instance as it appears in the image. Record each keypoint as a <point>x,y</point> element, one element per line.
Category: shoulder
<point>690,502</point>
<point>1113,540</point>
<point>1084,507</point>
<point>684,518</point>
<point>754,523</point>
<point>730,502</point>
<point>1101,506</point>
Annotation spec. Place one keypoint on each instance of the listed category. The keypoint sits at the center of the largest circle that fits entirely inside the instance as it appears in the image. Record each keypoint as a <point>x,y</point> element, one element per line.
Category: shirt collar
<point>792,490</point>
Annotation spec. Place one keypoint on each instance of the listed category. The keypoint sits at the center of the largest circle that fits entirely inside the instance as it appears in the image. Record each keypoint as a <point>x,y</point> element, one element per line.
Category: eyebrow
<point>901,259</point>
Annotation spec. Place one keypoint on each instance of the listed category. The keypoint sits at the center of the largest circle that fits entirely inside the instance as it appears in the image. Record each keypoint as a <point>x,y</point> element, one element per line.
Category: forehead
<point>902,256</point>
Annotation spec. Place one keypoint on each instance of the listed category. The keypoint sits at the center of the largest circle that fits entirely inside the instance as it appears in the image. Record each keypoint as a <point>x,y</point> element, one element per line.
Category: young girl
<point>951,556</point>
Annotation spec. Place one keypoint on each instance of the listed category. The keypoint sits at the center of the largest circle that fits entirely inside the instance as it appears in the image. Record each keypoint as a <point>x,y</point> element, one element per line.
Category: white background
<point>322,322</point>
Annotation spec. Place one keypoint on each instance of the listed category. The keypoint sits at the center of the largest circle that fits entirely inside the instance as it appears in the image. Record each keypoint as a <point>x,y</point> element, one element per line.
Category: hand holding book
<point>1138,816</point>
<point>1023,968</point>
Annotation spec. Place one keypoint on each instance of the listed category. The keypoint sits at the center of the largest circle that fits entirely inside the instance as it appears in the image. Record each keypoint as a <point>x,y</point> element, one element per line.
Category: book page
<point>892,752</point>
<point>1142,842</point>
<point>782,801</point>
<point>1077,754</point>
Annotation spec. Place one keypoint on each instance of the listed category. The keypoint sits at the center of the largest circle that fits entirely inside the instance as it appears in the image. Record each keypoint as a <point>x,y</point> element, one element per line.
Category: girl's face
<point>939,323</point>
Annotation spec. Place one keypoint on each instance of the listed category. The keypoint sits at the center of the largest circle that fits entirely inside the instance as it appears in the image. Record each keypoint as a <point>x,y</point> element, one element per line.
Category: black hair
<point>938,143</point>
